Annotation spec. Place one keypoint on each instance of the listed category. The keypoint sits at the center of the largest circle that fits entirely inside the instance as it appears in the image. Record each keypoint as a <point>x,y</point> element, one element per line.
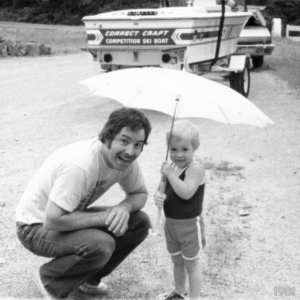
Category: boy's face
<point>124,148</point>
<point>181,152</point>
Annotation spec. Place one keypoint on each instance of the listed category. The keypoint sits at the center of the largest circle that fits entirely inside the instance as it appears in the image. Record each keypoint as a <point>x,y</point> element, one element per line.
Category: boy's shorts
<point>184,237</point>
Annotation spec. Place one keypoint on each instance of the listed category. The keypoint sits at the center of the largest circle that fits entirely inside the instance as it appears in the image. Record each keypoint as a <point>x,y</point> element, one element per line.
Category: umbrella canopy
<point>158,88</point>
<point>168,90</point>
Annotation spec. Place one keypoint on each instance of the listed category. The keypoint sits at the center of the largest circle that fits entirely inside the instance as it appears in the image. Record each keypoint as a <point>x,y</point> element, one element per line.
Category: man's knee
<point>139,221</point>
<point>99,244</point>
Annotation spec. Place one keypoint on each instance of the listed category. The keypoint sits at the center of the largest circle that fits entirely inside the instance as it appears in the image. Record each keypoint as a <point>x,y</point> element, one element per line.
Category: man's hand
<point>117,220</point>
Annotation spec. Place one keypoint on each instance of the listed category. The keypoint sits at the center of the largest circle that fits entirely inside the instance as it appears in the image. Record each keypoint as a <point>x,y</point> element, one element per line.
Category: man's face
<point>124,148</point>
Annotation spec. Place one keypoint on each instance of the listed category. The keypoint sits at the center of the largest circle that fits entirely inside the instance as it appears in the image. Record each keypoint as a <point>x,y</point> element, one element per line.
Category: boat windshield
<point>183,3</point>
<point>174,3</point>
<point>241,4</point>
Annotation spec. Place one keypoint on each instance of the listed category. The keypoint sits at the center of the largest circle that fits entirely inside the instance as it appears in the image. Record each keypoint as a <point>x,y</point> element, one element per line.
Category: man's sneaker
<point>46,295</point>
<point>100,289</point>
<point>172,296</point>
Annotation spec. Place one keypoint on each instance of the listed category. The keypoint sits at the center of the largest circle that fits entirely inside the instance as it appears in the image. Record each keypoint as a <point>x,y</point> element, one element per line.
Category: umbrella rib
<point>223,114</point>
<point>263,125</point>
<point>139,93</point>
<point>96,88</point>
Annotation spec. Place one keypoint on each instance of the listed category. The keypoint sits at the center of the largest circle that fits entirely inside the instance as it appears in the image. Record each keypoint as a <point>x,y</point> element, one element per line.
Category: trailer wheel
<point>258,61</point>
<point>240,82</point>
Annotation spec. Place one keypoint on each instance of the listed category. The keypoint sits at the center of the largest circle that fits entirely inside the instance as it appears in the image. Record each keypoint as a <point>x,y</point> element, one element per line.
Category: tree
<point>15,4</point>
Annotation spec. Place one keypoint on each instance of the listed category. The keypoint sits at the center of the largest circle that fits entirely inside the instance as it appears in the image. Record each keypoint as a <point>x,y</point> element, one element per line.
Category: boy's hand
<point>166,169</point>
<point>159,199</point>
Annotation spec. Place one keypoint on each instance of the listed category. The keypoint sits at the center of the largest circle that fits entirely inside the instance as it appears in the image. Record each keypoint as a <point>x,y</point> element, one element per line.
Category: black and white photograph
<point>150,149</point>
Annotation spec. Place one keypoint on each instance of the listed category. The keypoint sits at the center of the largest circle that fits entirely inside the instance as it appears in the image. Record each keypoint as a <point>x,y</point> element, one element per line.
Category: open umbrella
<point>158,88</point>
<point>176,93</point>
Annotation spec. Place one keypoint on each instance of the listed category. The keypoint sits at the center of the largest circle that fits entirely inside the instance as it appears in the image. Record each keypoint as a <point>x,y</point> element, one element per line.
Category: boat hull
<point>160,36</point>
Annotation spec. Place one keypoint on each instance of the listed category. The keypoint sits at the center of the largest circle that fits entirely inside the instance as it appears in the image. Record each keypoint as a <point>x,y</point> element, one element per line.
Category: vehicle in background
<point>255,38</point>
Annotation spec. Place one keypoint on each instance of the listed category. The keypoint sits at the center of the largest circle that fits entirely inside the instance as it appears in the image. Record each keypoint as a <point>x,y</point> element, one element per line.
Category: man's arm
<point>136,200</point>
<point>117,220</point>
<point>58,219</point>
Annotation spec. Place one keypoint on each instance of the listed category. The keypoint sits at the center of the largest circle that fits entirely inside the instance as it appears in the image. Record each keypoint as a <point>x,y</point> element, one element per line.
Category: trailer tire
<point>258,61</point>
<point>240,82</point>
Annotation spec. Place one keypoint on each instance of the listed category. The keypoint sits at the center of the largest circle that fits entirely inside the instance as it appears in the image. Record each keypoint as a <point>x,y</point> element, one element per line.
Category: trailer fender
<point>238,62</point>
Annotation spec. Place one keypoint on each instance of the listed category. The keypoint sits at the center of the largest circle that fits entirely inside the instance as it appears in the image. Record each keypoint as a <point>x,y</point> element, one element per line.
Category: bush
<point>70,12</point>
<point>287,11</point>
<point>67,12</point>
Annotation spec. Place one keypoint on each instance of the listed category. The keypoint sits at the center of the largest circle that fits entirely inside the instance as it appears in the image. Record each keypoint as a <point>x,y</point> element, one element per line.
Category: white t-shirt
<point>74,177</point>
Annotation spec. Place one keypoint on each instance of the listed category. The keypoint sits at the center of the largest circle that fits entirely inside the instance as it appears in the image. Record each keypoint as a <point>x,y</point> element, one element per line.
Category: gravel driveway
<point>43,108</point>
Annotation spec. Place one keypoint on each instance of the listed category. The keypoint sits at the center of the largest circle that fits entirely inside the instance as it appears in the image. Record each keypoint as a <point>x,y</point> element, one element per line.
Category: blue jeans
<point>83,255</point>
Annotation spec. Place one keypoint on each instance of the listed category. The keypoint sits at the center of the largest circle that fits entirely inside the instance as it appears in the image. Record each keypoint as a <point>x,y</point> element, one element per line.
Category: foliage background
<point>66,12</point>
<point>287,11</point>
<point>70,12</point>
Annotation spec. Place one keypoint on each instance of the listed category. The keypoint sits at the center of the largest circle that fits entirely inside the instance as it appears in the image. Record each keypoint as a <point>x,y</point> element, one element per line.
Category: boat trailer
<point>199,39</point>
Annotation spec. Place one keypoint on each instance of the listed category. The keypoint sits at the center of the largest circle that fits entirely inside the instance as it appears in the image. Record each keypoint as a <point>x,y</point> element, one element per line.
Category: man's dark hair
<point>131,118</point>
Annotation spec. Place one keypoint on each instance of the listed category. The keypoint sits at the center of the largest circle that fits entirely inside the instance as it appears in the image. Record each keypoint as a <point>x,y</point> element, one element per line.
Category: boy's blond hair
<point>184,129</point>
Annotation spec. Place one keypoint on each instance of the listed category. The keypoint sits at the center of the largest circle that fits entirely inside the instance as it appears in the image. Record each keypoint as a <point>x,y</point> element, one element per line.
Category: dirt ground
<point>42,107</point>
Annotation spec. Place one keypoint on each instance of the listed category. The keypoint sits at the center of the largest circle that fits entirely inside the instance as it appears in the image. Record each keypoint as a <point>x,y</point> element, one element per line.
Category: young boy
<point>182,203</point>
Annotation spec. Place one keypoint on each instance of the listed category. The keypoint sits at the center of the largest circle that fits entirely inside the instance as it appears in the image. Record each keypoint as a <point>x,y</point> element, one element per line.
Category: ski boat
<point>166,35</point>
<point>197,37</point>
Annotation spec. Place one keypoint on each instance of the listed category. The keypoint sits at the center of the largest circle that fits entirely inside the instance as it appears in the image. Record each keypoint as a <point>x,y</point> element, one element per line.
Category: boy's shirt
<point>178,208</point>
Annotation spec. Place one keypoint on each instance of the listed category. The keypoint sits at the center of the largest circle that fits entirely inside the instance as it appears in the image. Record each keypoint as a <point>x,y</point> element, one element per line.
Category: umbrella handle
<point>158,218</point>
<point>162,187</point>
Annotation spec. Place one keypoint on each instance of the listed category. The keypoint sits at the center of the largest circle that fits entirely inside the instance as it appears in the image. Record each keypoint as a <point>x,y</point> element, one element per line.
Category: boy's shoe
<point>46,295</point>
<point>172,296</point>
<point>100,289</point>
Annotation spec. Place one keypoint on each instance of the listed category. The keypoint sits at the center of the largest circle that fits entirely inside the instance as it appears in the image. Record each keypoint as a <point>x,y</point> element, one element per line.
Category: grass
<point>226,230</point>
<point>148,272</point>
<point>224,168</point>
<point>63,40</point>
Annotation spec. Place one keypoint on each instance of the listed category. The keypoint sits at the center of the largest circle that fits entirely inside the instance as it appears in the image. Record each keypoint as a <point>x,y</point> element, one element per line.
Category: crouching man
<point>55,218</point>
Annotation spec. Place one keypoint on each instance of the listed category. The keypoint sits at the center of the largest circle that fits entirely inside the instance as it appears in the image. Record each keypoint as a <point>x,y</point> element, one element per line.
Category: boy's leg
<point>190,234</point>
<point>78,255</point>
<point>194,277</point>
<point>138,228</point>
<point>179,274</point>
